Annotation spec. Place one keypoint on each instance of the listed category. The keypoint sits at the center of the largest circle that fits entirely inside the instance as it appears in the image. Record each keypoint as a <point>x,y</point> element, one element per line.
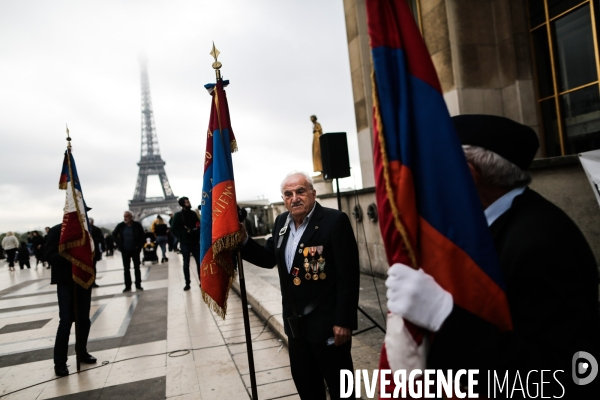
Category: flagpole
<point>76,309</point>
<point>217,65</point>
<point>247,326</point>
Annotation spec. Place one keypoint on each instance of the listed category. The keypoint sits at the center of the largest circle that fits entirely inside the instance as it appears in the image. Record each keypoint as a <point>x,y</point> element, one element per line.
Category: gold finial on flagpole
<point>68,138</point>
<point>216,65</point>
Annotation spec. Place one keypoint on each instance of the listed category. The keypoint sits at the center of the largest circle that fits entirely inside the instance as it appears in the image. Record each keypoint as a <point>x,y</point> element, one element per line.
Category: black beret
<point>182,200</point>
<point>515,142</point>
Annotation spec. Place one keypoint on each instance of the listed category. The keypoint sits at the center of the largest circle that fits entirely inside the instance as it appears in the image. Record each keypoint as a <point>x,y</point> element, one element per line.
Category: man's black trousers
<point>314,363</point>
<point>129,256</point>
<point>66,312</point>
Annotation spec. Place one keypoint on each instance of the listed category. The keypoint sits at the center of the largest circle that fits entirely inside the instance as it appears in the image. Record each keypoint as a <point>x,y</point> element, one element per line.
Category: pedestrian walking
<point>37,244</point>
<point>10,245</point>
<point>129,236</point>
<point>23,256</point>
<point>161,231</point>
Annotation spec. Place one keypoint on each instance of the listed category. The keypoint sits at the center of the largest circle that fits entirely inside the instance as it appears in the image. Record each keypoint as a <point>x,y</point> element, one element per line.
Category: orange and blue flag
<point>430,214</point>
<point>76,244</point>
<point>220,229</point>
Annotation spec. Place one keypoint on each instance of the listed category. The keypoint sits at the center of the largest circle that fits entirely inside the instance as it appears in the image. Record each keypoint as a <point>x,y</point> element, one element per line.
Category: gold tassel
<point>233,146</point>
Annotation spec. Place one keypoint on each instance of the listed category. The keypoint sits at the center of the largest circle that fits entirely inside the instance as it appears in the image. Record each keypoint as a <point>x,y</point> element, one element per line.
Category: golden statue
<point>316,147</point>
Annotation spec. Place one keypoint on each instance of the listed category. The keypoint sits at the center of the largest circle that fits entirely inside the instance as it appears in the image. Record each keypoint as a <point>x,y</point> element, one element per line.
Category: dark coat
<point>138,235</point>
<point>331,229</point>
<point>187,233</point>
<point>551,282</point>
<point>61,267</point>
<point>98,239</point>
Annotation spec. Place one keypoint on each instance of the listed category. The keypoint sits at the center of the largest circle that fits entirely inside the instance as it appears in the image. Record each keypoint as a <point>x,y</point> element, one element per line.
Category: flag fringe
<point>233,146</point>
<point>226,243</point>
<point>83,284</point>
<point>386,173</point>
<point>62,186</point>
<point>213,305</point>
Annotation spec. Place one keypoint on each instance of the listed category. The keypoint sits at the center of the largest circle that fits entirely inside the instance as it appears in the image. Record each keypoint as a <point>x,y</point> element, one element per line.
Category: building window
<point>564,36</point>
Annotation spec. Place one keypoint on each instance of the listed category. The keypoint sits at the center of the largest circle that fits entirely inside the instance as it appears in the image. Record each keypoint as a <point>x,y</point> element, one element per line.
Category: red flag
<point>76,244</point>
<point>220,229</point>
<point>426,196</point>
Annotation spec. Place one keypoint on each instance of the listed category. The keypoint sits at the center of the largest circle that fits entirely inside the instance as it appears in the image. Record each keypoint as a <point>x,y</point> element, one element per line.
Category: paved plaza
<point>135,334</point>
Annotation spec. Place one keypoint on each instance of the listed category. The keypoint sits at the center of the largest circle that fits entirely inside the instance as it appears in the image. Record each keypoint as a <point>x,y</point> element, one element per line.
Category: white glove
<point>416,296</point>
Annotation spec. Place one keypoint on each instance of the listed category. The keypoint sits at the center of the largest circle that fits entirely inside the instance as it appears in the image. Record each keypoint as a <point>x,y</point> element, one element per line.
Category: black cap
<point>182,200</point>
<point>511,140</point>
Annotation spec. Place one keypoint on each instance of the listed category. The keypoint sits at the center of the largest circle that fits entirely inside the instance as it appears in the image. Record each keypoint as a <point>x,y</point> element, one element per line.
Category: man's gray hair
<point>128,212</point>
<point>496,170</point>
<point>309,179</point>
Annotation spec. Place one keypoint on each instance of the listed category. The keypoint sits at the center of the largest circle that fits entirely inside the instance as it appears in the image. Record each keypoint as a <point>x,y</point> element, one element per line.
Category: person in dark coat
<point>549,271</point>
<point>23,256</point>
<point>129,238</point>
<point>37,244</point>
<point>98,239</point>
<point>63,279</point>
<point>316,255</point>
<point>186,227</point>
<point>110,245</point>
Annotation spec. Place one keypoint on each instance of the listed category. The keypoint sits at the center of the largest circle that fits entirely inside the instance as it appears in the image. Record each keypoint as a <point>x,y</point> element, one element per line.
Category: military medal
<point>321,263</point>
<point>313,263</point>
<point>295,272</point>
<point>306,263</point>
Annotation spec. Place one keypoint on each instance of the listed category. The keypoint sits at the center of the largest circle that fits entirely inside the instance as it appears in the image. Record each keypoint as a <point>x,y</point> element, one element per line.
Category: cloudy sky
<point>76,62</point>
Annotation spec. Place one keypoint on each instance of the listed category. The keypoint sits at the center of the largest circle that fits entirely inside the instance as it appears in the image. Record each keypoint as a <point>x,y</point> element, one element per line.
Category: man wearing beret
<point>549,271</point>
<point>316,255</point>
<point>186,227</point>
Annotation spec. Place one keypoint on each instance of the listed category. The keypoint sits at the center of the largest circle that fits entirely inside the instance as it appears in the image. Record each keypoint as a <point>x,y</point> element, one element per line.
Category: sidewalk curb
<point>266,307</point>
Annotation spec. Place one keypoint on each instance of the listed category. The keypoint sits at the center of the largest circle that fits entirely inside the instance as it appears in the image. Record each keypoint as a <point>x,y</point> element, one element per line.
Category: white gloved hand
<point>416,296</point>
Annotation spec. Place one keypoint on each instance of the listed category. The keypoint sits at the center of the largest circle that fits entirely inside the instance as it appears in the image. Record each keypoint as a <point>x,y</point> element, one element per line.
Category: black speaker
<point>334,155</point>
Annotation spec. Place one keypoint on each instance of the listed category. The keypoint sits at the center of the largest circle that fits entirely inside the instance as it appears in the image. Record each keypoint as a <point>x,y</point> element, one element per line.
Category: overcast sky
<point>76,62</point>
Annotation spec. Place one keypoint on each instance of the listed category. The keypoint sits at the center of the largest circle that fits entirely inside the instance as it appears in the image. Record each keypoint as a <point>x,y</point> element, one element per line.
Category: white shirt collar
<point>502,205</point>
<point>305,220</point>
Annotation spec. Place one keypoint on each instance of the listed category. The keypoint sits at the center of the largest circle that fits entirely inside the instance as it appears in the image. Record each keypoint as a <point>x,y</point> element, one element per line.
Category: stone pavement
<point>133,333</point>
<point>264,295</point>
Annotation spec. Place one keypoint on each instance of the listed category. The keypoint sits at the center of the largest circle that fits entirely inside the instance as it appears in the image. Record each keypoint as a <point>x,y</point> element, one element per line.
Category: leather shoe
<point>88,359</point>
<point>139,288</point>
<point>127,289</point>
<point>61,370</point>
<point>186,288</point>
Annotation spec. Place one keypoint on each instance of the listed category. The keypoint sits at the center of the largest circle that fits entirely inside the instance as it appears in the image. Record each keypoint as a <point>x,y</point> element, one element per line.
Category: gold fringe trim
<point>226,243</point>
<point>386,174</point>
<point>62,186</point>
<point>85,285</point>
<point>220,311</point>
<point>233,146</point>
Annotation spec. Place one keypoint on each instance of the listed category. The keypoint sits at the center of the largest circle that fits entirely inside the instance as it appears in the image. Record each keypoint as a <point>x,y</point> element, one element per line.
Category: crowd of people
<point>20,251</point>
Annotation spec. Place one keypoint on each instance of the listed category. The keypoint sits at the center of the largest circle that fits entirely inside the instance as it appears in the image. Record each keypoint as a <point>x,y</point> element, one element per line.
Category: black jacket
<point>138,235</point>
<point>61,267</point>
<point>551,283</point>
<point>331,229</point>
<point>98,239</point>
<point>186,227</point>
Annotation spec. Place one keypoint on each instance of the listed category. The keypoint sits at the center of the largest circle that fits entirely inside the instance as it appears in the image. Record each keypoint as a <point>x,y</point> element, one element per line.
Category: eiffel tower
<point>150,163</point>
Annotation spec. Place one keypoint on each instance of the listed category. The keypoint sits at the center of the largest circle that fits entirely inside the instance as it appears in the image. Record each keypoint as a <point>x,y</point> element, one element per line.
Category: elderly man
<point>129,238</point>
<point>549,271</point>
<point>316,255</point>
